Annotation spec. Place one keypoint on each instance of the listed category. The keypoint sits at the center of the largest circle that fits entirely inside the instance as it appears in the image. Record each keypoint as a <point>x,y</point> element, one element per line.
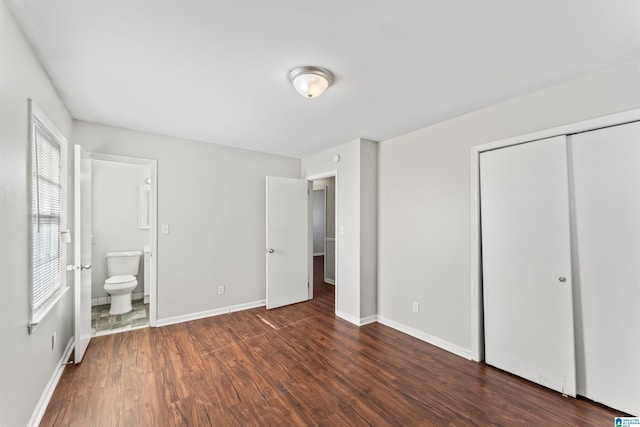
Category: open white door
<point>82,253</point>
<point>526,262</point>
<point>287,241</point>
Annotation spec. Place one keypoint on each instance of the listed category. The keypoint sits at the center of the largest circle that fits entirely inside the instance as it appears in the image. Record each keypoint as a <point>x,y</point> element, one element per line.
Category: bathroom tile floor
<point>103,323</point>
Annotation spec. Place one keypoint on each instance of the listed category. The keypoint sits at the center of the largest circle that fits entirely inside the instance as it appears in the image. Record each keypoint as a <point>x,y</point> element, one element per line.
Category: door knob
<point>80,267</point>
<point>562,279</point>
<point>270,250</point>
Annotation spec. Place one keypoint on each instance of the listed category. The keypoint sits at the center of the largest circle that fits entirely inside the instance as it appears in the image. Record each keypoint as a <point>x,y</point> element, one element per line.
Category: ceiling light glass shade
<point>311,81</point>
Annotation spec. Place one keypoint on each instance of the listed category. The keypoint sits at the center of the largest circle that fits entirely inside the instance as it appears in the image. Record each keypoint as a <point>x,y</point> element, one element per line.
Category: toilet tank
<point>123,263</point>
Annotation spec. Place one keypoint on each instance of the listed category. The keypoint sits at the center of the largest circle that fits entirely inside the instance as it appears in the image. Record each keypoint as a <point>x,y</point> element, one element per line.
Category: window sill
<point>42,312</point>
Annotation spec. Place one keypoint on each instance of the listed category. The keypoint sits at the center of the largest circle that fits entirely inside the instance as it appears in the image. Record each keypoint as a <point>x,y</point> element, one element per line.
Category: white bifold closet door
<point>526,262</point>
<point>606,184</point>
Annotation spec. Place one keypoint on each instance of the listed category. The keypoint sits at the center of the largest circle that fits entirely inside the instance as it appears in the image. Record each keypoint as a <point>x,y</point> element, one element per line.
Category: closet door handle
<point>562,279</point>
<point>270,250</point>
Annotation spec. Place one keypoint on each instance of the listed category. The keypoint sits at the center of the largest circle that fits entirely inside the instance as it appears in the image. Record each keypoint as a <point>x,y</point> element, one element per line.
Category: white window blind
<point>46,174</point>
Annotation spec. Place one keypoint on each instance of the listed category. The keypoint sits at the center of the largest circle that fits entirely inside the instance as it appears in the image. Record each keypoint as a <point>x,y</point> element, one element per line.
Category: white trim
<point>153,224</point>
<point>41,313</point>
<point>117,331</point>
<point>438,342</point>
<point>121,159</point>
<point>355,320</point>
<point>322,175</point>
<point>36,112</point>
<point>45,397</point>
<point>368,319</point>
<point>329,281</point>
<point>318,254</point>
<point>210,313</point>
<point>349,318</point>
<point>477,334</point>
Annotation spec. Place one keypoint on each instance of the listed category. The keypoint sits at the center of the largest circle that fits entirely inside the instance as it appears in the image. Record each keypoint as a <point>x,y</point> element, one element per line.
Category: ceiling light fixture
<point>311,81</point>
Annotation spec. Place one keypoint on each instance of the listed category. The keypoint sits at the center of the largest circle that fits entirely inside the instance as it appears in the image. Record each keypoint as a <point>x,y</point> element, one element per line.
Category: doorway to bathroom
<point>123,218</point>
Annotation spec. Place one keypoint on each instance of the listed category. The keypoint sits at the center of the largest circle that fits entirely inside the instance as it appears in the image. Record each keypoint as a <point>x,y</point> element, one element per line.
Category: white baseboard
<point>330,281</point>
<point>438,342</point>
<point>209,313</point>
<point>355,320</point>
<point>368,319</point>
<point>318,254</point>
<point>41,406</point>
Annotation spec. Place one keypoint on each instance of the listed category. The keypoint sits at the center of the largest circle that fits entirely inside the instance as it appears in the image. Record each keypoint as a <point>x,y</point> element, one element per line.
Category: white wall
<point>213,199</point>
<point>353,268</point>
<point>424,205</point>
<point>114,212</point>
<point>27,362</point>
<point>368,228</point>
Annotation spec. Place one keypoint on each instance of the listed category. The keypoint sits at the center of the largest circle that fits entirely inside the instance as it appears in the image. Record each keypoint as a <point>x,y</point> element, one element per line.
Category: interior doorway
<point>323,253</point>
<point>123,227</point>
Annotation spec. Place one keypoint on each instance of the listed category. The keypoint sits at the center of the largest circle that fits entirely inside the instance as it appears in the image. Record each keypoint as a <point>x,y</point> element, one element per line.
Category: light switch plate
<point>164,229</point>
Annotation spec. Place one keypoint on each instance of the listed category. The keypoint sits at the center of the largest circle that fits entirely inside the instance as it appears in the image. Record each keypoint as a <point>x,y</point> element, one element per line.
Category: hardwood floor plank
<point>298,365</point>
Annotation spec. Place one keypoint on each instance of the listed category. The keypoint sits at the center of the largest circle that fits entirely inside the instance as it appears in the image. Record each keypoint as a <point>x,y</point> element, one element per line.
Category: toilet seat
<point>115,280</point>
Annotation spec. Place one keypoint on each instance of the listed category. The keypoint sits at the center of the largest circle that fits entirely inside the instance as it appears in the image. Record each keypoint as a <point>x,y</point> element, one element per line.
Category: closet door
<point>526,262</point>
<point>606,181</point>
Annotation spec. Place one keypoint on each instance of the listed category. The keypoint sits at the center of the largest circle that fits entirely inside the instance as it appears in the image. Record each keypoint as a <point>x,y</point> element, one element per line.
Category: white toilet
<point>122,268</point>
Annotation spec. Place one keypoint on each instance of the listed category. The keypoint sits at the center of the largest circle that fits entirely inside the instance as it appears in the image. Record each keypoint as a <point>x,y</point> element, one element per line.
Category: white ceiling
<point>216,70</point>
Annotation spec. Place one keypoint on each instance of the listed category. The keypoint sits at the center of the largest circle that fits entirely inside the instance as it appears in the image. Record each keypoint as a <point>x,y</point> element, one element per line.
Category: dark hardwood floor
<point>297,365</point>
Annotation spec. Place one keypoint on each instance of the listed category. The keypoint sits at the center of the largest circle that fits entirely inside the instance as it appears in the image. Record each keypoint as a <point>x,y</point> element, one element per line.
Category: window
<point>48,219</point>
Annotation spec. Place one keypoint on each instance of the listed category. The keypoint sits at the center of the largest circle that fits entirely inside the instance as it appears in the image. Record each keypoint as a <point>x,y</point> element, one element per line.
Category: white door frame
<point>315,177</point>
<point>153,223</point>
<point>82,248</point>
<point>477,326</point>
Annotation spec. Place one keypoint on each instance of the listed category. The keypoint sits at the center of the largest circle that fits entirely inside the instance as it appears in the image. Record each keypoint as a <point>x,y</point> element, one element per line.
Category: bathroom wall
<point>114,213</point>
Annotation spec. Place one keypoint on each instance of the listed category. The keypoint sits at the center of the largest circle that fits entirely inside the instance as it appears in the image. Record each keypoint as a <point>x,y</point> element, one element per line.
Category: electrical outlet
<point>53,341</point>
<point>164,229</point>
<point>220,290</point>
<point>416,307</point>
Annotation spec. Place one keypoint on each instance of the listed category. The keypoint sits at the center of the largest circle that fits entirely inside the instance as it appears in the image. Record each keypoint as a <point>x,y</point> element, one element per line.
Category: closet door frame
<point>477,318</point>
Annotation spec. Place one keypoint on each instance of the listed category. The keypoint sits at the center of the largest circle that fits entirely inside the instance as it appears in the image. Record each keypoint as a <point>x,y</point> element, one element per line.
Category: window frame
<point>37,314</point>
